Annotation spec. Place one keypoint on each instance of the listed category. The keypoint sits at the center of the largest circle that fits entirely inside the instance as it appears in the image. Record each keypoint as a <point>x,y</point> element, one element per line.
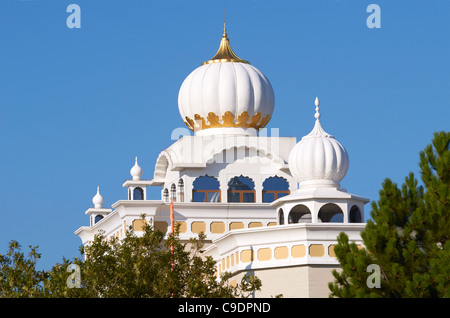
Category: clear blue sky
<point>77,105</point>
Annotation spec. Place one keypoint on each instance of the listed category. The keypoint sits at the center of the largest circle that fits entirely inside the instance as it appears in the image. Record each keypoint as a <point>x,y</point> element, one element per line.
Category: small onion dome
<point>97,200</point>
<point>136,171</point>
<point>318,159</point>
<point>226,92</point>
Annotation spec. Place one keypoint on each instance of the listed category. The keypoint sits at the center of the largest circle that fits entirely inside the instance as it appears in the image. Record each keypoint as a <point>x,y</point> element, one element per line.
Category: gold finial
<point>225,53</point>
<point>224,25</point>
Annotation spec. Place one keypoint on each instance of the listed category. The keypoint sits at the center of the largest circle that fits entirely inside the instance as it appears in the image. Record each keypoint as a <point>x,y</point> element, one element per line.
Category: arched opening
<point>181,190</point>
<point>98,218</point>
<point>241,189</point>
<point>274,188</point>
<point>299,214</point>
<point>280,217</point>
<point>138,194</point>
<point>166,195</point>
<point>331,213</point>
<point>173,192</point>
<point>355,215</point>
<point>206,189</point>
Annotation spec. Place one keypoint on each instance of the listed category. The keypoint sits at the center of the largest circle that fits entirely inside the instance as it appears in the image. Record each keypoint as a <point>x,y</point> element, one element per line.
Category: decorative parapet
<point>280,246</point>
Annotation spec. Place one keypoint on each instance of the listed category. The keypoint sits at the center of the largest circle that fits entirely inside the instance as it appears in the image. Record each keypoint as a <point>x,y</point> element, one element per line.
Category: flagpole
<point>172,221</point>
<point>172,248</point>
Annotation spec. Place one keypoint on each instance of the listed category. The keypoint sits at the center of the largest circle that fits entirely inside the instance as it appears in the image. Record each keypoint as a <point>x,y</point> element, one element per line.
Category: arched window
<point>241,189</point>
<point>98,218</point>
<point>274,188</point>
<point>166,195</point>
<point>206,189</point>
<point>299,214</point>
<point>331,213</point>
<point>173,192</point>
<point>138,194</point>
<point>181,190</point>
<point>280,217</point>
<point>355,215</point>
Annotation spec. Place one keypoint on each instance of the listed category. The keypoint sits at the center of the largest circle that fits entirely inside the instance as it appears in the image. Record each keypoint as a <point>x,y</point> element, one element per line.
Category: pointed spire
<point>318,130</point>
<point>224,25</point>
<point>317,114</point>
<point>225,53</point>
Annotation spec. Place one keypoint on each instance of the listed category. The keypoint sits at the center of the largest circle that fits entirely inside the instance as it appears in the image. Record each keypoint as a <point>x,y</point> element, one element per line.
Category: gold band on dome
<point>228,120</point>
<point>225,53</point>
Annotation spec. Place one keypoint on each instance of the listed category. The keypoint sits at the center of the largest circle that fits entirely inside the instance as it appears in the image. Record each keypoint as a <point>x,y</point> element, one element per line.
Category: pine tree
<point>407,238</point>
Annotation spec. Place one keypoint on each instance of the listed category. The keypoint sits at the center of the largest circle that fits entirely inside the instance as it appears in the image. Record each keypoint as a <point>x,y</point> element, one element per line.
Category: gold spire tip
<point>225,53</point>
<point>224,25</point>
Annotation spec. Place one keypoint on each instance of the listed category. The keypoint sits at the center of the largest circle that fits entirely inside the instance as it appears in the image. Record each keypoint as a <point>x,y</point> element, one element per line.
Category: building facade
<point>269,205</point>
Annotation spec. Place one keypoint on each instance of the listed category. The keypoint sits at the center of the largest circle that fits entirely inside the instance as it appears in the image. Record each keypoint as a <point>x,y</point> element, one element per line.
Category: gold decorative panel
<point>331,251</point>
<point>316,250</point>
<point>264,254</point>
<point>236,225</point>
<point>298,251</point>
<point>228,119</point>
<point>247,256</point>
<point>217,227</point>
<point>197,227</point>
<point>281,252</point>
<point>138,224</point>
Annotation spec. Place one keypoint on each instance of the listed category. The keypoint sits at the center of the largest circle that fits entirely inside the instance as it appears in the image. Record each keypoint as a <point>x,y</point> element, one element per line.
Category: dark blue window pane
<point>248,197</point>
<point>268,197</point>
<point>206,183</point>
<point>337,218</point>
<point>234,197</point>
<point>214,197</point>
<point>355,215</point>
<point>199,196</point>
<point>98,218</point>
<point>138,194</point>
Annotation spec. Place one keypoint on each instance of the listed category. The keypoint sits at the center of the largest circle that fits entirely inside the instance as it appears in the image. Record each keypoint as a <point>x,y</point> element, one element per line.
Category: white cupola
<point>98,200</point>
<point>98,212</point>
<point>137,188</point>
<point>226,95</point>
<point>136,170</point>
<point>319,163</point>
<point>318,159</point>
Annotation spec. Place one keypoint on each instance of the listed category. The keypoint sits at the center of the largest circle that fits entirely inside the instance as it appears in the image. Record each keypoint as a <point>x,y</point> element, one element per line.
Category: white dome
<point>136,171</point>
<point>318,159</point>
<point>97,200</point>
<point>226,92</point>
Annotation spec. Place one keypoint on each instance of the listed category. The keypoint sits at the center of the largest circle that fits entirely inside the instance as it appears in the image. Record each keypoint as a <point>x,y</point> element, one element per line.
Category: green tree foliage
<point>408,237</point>
<point>145,265</point>
<point>18,274</point>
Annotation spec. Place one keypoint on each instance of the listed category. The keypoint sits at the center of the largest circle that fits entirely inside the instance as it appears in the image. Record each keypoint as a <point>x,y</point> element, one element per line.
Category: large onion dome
<point>226,92</point>
<point>318,159</point>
